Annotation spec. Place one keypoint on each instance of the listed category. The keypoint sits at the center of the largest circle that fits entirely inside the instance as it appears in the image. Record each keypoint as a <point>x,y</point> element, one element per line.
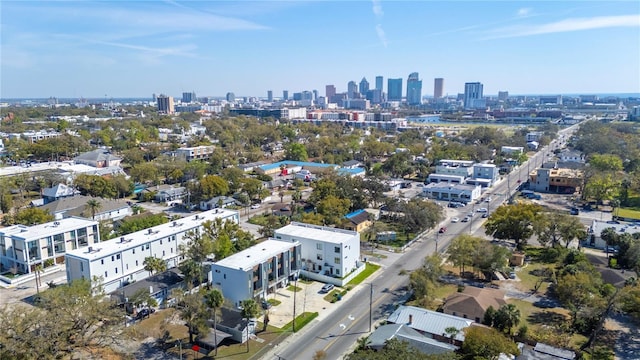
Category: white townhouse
<point>462,168</point>
<point>326,251</point>
<point>118,262</point>
<point>24,247</point>
<point>257,271</point>
<point>484,175</point>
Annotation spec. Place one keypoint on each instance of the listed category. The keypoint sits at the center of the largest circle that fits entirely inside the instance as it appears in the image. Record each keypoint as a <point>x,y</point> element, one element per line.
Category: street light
<point>370,305</point>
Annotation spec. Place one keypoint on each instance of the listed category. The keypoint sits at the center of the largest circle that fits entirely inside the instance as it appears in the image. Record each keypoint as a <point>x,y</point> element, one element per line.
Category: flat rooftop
<point>142,237</point>
<point>46,229</point>
<point>257,254</point>
<point>316,232</point>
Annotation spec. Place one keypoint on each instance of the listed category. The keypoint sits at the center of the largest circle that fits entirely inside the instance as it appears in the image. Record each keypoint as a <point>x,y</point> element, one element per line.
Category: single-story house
<point>402,332</point>
<point>473,302</point>
<point>358,220</point>
<point>595,230</point>
<point>218,202</point>
<point>431,324</point>
<point>159,287</point>
<point>230,321</point>
<point>77,206</point>
<point>99,158</point>
<point>58,191</point>
<point>166,193</point>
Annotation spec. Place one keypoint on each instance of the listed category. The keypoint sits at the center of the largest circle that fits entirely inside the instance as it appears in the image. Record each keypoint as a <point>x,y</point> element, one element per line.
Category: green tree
<point>154,265</point>
<point>249,311</point>
<point>513,222</point>
<point>486,343</point>
<point>296,152</point>
<point>214,300</point>
<point>32,216</point>
<point>193,311</point>
<point>333,209</point>
<point>556,227</point>
<point>606,162</point>
<point>213,185</point>
<point>461,250</point>
<point>506,318</point>
<point>192,271</point>
<point>93,205</point>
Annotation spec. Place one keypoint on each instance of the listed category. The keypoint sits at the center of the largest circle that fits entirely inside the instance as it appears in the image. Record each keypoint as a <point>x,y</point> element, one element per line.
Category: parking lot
<point>308,299</point>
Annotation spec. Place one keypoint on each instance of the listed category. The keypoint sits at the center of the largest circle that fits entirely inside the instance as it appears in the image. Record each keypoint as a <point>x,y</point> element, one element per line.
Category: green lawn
<point>274,302</point>
<point>530,275</point>
<point>628,213</point>
<point>301,320</point>
<point>293,288</point>
<point>370,269</point>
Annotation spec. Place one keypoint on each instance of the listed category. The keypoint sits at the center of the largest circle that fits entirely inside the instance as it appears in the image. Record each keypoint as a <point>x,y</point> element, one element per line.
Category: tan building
<point>562,181</point>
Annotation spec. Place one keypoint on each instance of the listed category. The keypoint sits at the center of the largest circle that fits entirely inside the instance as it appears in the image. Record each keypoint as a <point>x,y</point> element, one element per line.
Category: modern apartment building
<point>23,247</point>
<point>414,89</point>
<point>257,271</point>
<point>438,88</point>
<point>188,97</point>
<point>195,153</point>
<point>119,262</point>
<point>325,250</point>
<point>394,89</point>
<point>455,167</point>
<point>165,104</point>
<point>489,172</point>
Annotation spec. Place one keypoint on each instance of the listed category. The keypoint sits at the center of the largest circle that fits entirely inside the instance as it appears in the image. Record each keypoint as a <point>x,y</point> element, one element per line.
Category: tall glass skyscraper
<point>352,89</point>
<point>414,89</point>
<point>438,88</point>
<point>394,89</point>
<point>473,95</point>
<point>364,86</point>
<point>379,82</point>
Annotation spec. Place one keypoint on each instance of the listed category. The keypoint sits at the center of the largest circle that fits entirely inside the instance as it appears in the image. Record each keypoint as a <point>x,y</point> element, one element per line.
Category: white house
<point>120,261</point>
<point>452,192</point>
<point>569,155</point>
<point>594,238</point>
<point>109,210</point>
<point>328,253</point>
<point>24,247</point>
<point>257,271</point>
<point>486,171</point>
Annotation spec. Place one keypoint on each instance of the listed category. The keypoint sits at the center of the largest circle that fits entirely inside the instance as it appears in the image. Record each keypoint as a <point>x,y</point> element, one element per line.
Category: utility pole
<point>370,305</point>
<point>295,290</point>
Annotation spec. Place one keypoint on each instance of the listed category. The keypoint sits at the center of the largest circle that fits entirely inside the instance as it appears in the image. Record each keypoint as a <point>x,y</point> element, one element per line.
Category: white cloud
<point>377,8</point>
<point>381,35</point>
<point>524,11</point>
<point>567,25</point>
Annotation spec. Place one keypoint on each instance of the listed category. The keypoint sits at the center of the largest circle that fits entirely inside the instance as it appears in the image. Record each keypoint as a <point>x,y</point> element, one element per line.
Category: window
<point>146,246</point>
<point>337,272</point>
<point>113,258</point>
<point>58,243</point>
<point>142,248</point>
<point>136,262</point>
<point>319,257</point>
<point>81,267</point>
<point>160,241</point>
<point>162,253</point>
<point>134,250</point>
<point>224,276</point>
<point>101,261</point>
<point>336,260</point>
<point>116,270</point>
<point>105,274</point>
<point>337,249</point>
<point>118,256</point>
<point>127,266</point>
<point>319,246</point>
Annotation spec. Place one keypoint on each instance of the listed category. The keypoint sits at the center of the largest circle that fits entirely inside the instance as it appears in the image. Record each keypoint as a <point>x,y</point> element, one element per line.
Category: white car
<point>455,220</point>
<point>487,199</point>
<point>482,210</point>
<point>255,206</point>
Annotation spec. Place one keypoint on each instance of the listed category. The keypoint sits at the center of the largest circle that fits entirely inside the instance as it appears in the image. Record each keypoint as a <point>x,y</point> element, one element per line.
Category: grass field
<point>370,269</point>
<point>628,213</point>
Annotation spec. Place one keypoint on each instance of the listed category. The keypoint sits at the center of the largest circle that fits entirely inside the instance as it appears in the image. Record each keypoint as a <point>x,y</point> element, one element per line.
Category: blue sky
<point>134,49</point>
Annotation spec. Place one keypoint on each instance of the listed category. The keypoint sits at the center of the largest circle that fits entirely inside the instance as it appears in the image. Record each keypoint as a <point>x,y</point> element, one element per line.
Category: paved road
<point>337,333</point>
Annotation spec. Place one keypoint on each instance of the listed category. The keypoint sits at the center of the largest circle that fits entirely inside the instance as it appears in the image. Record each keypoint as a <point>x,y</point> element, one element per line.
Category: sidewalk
<point>13,294</point>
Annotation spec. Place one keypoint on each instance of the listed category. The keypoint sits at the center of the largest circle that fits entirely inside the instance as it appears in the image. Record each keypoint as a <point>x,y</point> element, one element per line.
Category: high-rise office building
<point>165,104</point>
<point>414,89</point>
<point>188,97</point>
<point>503,95</point>
<point>154,97</point>
<point>438,88</point>
<point>394,89</point>
<point>315,95</point>
<point>330,92</point>
<point>269,95</point>
<point>231,97</point>
<point>379,82</point>
<point>285,95</point>
<point>364,86</point>
<point>352,89</point>
<point>473,98</point>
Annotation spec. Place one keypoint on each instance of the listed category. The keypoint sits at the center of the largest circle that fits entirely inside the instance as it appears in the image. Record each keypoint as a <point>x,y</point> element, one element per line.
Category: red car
<point>442,230</point>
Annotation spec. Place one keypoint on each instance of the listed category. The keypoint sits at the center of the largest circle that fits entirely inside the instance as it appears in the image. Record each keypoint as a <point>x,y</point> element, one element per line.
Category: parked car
<point>326,288</point>
<point>482,210</point>
<point>575,211</point>
<point>255,206</point>
<point>488,199</point>
<point>455,220</point>
<point>442,230</point>
<point>265,304</point>
<point>485,215</point>
<point>466,219</point>
<point>144,313</point>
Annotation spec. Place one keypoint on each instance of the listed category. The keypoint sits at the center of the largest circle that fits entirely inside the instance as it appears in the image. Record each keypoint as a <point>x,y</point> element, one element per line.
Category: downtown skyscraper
<point>414,89</point>
<point>438,88</point>
<point>394,89</point>
<point>473,98</point>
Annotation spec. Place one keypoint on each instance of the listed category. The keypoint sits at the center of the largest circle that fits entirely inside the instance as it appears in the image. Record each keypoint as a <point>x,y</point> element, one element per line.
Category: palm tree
<point>214,300</point>
<point>452,331</point>
<point>249,310</point>
<point>507,317</point>
<point>154,265</point>
<point>281,194</point>
<point>93,205</point>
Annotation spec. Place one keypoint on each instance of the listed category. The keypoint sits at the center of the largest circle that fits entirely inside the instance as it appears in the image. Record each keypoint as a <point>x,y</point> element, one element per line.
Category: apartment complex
<point>325,250</point>
<point>195,153</point>
<point>257,271</point>
<point>22,247</point>
<point>120,261</point>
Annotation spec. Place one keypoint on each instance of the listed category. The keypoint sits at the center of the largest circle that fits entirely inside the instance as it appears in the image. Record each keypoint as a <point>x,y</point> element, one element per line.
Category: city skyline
<point>133,49</point>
